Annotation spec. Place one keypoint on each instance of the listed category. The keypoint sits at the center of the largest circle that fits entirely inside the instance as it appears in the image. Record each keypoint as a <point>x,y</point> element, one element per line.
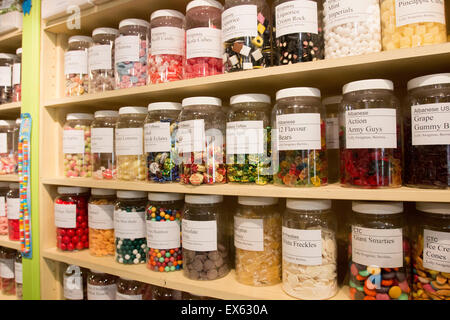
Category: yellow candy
<point>395,292</point>
<point>261,28</point>
<point>258,41</point>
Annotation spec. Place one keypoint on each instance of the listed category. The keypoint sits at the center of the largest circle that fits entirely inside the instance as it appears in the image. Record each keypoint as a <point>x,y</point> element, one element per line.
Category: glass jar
<point>409,24</point>
<point>298,35</point>
<point>10,6</point>
<point>204,51</point>
<point>161,293</point>
<point>77,145</point>
<point>351,27</point>
<point>159,141</point>
<point>13,211</point>
<point>379,227</point>
<point>257,239</point>
<point>6,66</point>
<point>103,150</point>
<point>331,105</point>
<point>101,222</point>
<point>163,214</point>
<point>430,251</point>
<point>17,77</point>
<point>205,246</point>
<point>309,249</point>
<point>76,66</point>
<point>75,283</point>
<point>130,144</point>
<point>300,158</point>
<point>129,227</point>
<point>71,218</point>
<point>129,289</point>
<point>101,286</point>
<point>131,53</point>
<point>249,150</point>
<point>167,46</point>
<point>370,144</point>
<point>9,146</point>
<point>4,189</point>
<point>427,139</point>
<point>18,274</point>
<point>246,33</point>
<point>7,259</point>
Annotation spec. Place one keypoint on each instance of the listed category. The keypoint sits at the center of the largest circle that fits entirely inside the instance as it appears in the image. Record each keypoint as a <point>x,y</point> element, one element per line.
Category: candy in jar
<point>4,189</point>
<point>161,293</point>
<point>331,105</point>
<point>128,289</point>
<point>6,67</point>
<point>101,286</point>
<point>18,275</point>
<point>7,259</point>
<point>17,77</point>
<point>9,145</point>
<point>76,66</point>
<point>13,211</point>
<point>75,283</point>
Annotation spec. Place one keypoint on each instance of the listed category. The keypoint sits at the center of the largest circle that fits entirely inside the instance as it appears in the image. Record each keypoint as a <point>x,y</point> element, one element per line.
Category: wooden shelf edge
<point>9,177</point>
<point>5,242</point>
<point>11,107</point>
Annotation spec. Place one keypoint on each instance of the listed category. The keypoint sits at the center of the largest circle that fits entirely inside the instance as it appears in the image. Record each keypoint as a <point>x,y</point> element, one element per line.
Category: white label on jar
<point>100,57</point>
<point>436,250</point>
<point>129,225</point>
<point>167,40</point>
<point>299,131</point>
<point>127,49</point>
<point>107,292</point>
<point>204,42</point>
<point>73,141</point>
<point>378,247</point>
<point>340,12</point>
<point>249,234</point>
<point>7,268</point>
<point>191,136</point>
<point>102,140</point>
<point>73,287</point>
<point>296,17</point>
<point>13,208</point>
<point>101,216</point>
<point>332,133</point>
<point>129,142</point>
<point>157,137</point>
<point>3,143</point>
<point>18,272</point>
<point>371,128</point>
<point>16,73</point>
<point>76,62</point>
<point>2,207</point>
<point>245,137</point>
<point>239,21</point>
<point>199,235</point>
<point>65,215</point>
<point>163,235</point>
<point>415,11</point>
<point>121,296</point>
<point>430,124</point>
<point>5,77</point>
<point>303,247</point>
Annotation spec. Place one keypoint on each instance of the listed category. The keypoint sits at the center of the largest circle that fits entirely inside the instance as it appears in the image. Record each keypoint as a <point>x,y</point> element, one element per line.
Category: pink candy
<point>165,68</point>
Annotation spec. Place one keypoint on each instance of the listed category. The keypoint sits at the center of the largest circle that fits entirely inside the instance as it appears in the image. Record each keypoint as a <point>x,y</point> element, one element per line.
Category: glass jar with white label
<point>101,222</point>
<point>299,156</point>
<point>406,24</point>
<point>257,239</point>
<point>309,249</point>
<point>101,60</point>
<point>379,266</point>
<point>13,211</point>
<point>331,105</point>
<point>104,165</point>
<point>430,251</point>
<point>6,67</point>
<point>71,218</point>
<point>76,67</point>
<point>18,274</point>
<point>427,132</point>
<point>370,139</point>
<point>129,137</point>
<point>4,189</point>
<point>75,283</point>
<point>17,77</point>
<point>159,141</point>
<point>249,132</point>
<point>9,146</point>
<point>7,277</point>
<point>200,141</point>
<point>206,248</point>
<point>167,49</point>
<point>163,215</point>
<point>130,228</point>
<point>128,289</point>
<point>101,286</point>
<point>204,48</point>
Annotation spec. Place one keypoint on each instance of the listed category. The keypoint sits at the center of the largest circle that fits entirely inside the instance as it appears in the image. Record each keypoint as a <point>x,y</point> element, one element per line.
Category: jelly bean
<point>202,67</point>
<point>354,270</point>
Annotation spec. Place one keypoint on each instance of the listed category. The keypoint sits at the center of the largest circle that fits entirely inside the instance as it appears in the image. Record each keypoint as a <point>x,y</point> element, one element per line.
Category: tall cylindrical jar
<point>18,274</point>
<point>9,147</point>
<point>370,144</point>
<point>427,134</point>
<point>6,66</point>
<point>167,50</point>
<point>75,283</point>
<point>17,77</point>
<point>300,158</point>
<point>204,50</point>
<point>76,65</point>
<point>7,277</point>
<point>4,189</point>
<point>13,211</point>
<point>246,34</point>
<point>331,105</point>
<point>249,139</point>
<point>101,286</point>
<point>128,289</point>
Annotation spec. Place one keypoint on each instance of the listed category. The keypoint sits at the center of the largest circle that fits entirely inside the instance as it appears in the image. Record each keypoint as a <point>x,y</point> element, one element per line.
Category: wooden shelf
<point>10,41</point>
<point>5,297</point>
<point>9,177</point>
<point>10,110</point>
<point>5,242</point>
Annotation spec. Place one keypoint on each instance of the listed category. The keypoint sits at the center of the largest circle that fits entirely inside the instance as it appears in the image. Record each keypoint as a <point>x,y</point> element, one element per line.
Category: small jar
<point>370,144</point>
<point>13,211</point>
<point>206,250</point>
<point>130,144</point>
<point>351,28</point>
<point>249,150</point>
<point>204,51</point>
<point>331,105</point>
<point>131,53</point>
<point>9,147</point>
<point>159,141</point>
<point>409,24</point>
<point>257,238</point>
<point>18,274</point>
<point>17,77</point>
<point>300,156</point>
<point>163,214</point>
<point>71,218</point>
<point>7,259</point>
<point>161,293</point>
<point>246,35</point>
<point>101,286</point>
<point>4,189</point>
<point>200,141</point>
<point>309,249</point>
<point>427,139</point>
<point>129,227</point>
<point>431,251</point>
<point>77,145</point>
<point>6,66</point>
<point>76,66</point>
<point>101,222</point>
<point>103,150</point>
<point>379,227</point>
<point>75,283</point>
<point>298,35</point>
<point>129,289</point>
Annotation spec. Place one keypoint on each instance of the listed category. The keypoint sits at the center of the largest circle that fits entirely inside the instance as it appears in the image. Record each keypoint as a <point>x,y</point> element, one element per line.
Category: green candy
<point>364,273</point>
<point>352,284</point>
<point>403,296</point>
